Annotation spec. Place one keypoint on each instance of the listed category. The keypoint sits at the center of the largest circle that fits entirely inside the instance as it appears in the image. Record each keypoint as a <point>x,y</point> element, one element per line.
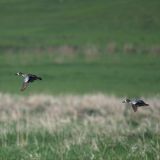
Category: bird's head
<point>126,101</point>
<point>19,73</point>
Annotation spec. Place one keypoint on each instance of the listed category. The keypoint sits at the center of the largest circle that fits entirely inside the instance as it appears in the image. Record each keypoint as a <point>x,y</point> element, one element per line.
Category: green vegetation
<point>78,46</point>
<point>44,23</point>
<point>123,75</point>
<point>43,145</point>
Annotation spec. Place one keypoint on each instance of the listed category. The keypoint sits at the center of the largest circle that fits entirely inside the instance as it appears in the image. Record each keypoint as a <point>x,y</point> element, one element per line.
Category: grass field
<point>120,74</point>
<point>81,46</point>
<point>91,55</point>
<point>27,23</point>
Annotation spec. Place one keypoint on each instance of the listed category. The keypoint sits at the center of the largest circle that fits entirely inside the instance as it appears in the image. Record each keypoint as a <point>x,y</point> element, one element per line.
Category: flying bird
<point>135,103</point>
<point>27,78</point>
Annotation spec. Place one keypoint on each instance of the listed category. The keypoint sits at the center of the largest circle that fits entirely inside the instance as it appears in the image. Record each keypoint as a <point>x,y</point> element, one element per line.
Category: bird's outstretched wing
<point>141,103</point>
<point>134,108</point>
<point>33,77</point>
<point>24,86</point>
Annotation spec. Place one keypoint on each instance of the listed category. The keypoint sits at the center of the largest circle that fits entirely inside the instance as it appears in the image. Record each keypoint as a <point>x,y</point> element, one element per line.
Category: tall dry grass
<point>65,126</point>
<point>97,110</point>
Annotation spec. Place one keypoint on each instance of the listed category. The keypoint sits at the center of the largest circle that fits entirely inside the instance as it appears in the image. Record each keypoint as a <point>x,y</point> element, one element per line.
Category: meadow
<point>119,74</point>
<point>39,23</point>
<point>91,55</point>
<point>81,46</point>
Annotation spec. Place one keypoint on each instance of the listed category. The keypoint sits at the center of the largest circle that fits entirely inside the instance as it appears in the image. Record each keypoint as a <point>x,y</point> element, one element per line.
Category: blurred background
<point>91,54</point>
<point>81,46</point>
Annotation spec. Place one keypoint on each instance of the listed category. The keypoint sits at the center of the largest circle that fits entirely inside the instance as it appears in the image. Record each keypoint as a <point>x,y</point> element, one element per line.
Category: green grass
<point>120,74</point>
<point>43,145</point>
<point>31,32</point>
<point>28,23</point>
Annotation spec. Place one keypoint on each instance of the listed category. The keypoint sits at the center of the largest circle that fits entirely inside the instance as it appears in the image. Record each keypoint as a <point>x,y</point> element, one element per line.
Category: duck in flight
<point>27,78</point>
<point>135,103</point>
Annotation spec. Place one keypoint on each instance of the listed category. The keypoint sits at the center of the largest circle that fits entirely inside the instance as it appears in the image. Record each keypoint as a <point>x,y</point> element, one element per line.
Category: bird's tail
<point>146,104</point>
<point>39,78</point>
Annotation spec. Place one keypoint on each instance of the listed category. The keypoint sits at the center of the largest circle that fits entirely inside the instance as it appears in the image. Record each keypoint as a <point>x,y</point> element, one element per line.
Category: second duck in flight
<point>136,103</point>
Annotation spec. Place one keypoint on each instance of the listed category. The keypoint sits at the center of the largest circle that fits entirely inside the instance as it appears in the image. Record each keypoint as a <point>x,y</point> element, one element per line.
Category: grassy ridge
<point>43,23</point>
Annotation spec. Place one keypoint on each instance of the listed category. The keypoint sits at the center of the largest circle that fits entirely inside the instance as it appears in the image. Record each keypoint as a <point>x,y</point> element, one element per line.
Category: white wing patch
<point>134,102</point>
<point>26,79</point>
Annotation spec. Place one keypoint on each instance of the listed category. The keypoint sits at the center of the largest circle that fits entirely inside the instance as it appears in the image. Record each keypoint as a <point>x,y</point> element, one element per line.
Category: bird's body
<point>27,78</point>
<point>136,103</point>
